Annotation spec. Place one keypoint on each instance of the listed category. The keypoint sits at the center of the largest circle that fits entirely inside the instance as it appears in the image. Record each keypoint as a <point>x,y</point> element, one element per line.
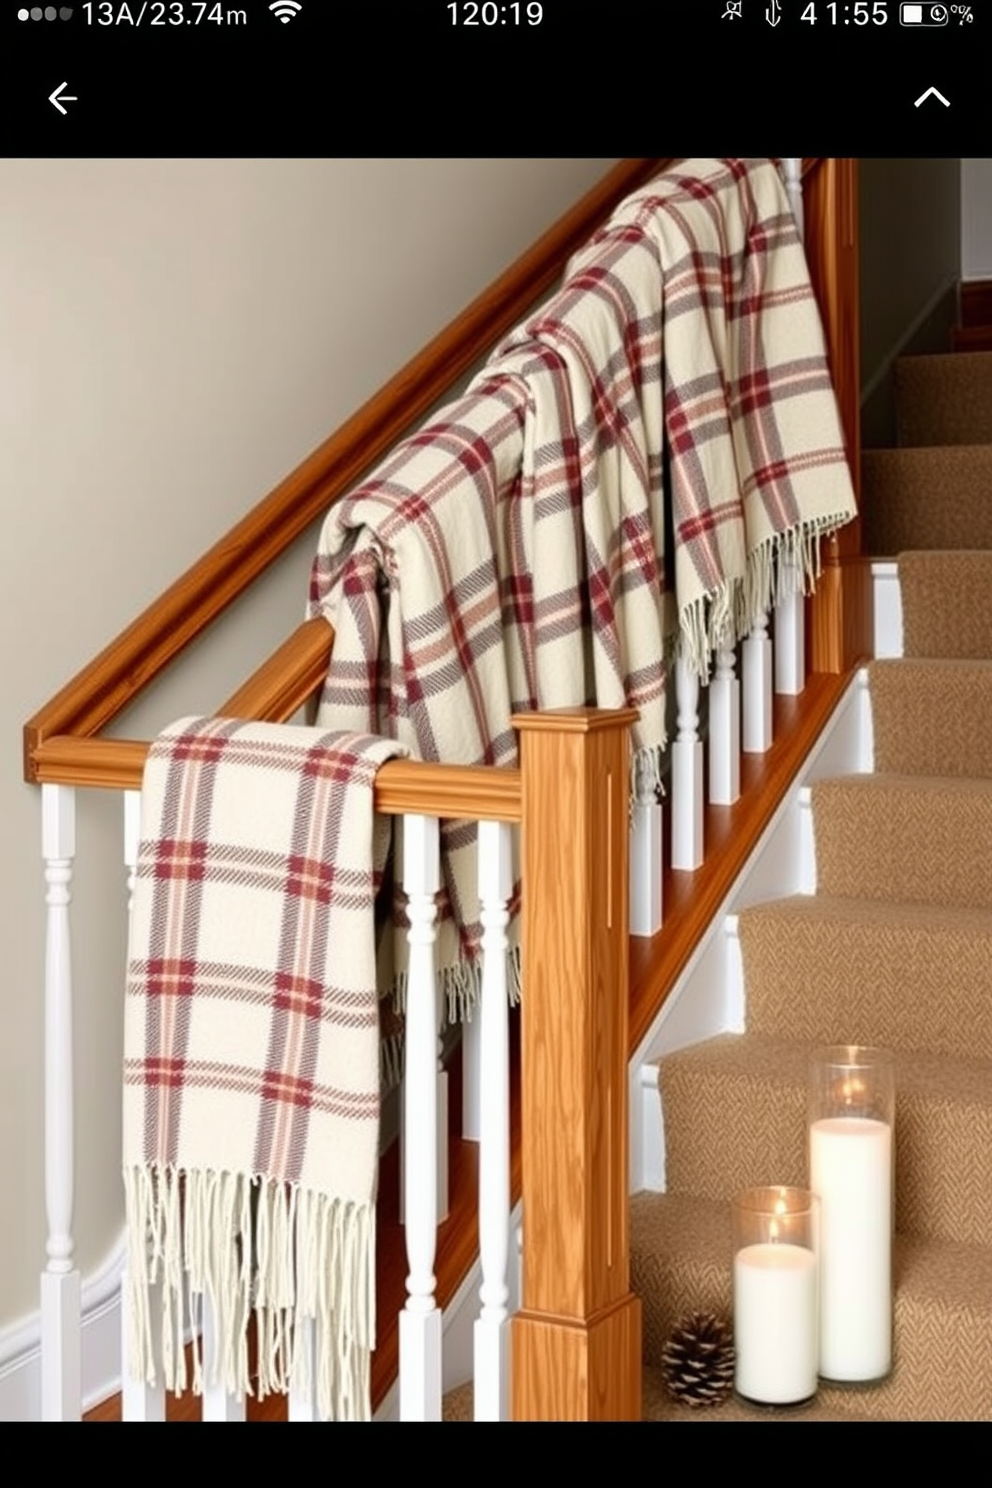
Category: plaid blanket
<point>756,467</point>
<point>251,1069</point>
<point>671,404</point>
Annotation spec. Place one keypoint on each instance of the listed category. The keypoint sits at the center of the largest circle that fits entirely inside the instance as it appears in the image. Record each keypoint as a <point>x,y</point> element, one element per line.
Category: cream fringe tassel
<point>287,1254</point>
<point>460,986</point>
<point>784,564</point>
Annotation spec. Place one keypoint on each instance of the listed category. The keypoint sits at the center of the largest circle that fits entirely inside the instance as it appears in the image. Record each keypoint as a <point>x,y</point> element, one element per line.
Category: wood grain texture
<point>568,1371</point>
<point>477,792</point>
<point>976,304</point>
<point>839,613</point>
<point>120,672</point>
<point>574,1063</point>
<point>288,679</point>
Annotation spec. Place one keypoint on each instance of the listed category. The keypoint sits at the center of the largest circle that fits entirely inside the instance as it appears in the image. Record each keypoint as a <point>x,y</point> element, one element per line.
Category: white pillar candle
<point>775,1333</point>
<point>851,1171</point>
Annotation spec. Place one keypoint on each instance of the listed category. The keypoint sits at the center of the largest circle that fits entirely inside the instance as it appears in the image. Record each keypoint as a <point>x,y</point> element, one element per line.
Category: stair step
<point>753,1089</point>
<point>659,1406</point>
<point>680,1263</point>
<point>945,608</point>
<point>917,498</point>
<point>904,838</point>
<point>932,717</point>
<point>838,970</point>
<point>944,399</point>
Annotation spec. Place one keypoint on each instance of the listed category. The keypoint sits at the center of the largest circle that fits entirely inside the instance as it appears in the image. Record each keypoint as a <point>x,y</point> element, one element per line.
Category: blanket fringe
<point>786,563</point>
<point>647,774</point>
<point>460,987</point>
<point>302,1262</point>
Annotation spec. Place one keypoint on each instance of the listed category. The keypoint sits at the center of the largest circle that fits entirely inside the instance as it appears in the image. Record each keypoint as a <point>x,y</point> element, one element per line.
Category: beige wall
<point>174,337</point>
<point>976,219</point>
<point>910,263</point>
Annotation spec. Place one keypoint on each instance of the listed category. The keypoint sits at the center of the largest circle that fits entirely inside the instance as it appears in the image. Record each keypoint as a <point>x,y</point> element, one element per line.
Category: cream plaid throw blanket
<point>251,1070</point>
<point>669,407</point>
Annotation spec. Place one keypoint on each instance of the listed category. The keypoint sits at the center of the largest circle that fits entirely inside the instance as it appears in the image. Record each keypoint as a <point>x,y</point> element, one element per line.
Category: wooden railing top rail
<point>124,668</point>
<point>401,786</point>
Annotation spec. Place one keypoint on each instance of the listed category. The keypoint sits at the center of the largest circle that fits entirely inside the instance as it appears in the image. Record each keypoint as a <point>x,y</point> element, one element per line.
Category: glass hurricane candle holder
<point>851,1169</point>
<point>775,1295</point>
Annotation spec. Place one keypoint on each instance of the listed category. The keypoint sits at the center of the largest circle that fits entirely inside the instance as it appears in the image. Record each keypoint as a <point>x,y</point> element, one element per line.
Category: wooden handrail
<point>401,786</point>
<point>124,668</point>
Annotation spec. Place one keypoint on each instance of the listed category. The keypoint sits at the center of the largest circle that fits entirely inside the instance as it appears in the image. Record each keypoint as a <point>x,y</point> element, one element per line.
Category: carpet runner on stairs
<point>894,948</point>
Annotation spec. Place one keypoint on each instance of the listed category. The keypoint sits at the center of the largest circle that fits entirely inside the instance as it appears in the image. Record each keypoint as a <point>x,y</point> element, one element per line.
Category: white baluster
<point>471,1076</point>
<point>725,732</point>
<point>491,1339</point>
<point>139,1401</point>
<point>61,1390</point>
<point>645,859</point>
<point>757,670</point>
<point>790,633</point>
<point>793,168</point>
<point>687,772</point>
<point>468,1096</point>
<point>420,1321</point>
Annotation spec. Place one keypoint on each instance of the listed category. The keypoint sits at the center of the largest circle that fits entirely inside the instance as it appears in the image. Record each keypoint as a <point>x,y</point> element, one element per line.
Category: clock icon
<point>938,14</point>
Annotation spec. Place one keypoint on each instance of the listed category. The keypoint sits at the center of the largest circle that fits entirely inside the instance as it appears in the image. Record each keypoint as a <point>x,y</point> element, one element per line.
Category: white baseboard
<point>20,1347</point>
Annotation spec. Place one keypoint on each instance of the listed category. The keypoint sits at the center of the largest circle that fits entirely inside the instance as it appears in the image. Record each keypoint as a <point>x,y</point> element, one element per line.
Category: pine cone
<point>698,1360</point>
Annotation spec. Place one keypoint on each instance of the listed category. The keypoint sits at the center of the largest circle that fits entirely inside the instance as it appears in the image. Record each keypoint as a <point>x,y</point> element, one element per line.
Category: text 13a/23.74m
<point>496,13</point>
<point>854,13</point>
<point>162,13</point>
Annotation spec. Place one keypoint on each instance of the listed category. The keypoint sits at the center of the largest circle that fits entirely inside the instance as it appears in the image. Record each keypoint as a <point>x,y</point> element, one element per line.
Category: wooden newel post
<point>840,612</point>
<point>576,1342</point>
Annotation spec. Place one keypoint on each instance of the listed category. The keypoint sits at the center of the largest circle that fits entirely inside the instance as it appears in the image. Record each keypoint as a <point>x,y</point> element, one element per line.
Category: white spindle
<point>757,670</point>
<point>471,1076</point>
<point>793,167</point>
<point>217,1403</point>
<point>139,1401</point>
<point>420,1321</point>
<point>725,732</point>
<point>687,772</point>
<point>61,1391</point>
<point>645,860</point>
<point>491,1362</point>
<point>790,634</point>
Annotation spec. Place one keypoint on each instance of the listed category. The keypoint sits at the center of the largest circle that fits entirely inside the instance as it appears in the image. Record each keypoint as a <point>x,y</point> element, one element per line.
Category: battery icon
<point>923,15</point>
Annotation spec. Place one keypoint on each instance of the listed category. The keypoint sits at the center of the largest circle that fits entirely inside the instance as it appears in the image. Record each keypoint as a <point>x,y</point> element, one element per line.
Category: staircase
<point>893,948</point>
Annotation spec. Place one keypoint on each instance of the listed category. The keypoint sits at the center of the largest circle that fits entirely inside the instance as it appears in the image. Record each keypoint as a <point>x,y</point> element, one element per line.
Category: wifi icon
<point>285,10</point>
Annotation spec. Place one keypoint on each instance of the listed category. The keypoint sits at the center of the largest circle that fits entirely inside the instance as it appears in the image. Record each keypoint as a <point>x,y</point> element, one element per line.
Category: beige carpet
<point>894,948</point>
<point>935,490</point>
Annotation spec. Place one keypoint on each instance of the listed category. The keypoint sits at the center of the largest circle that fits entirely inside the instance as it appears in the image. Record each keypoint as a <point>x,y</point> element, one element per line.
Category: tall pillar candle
<point>775,1295</point>
<point>851,1169</point>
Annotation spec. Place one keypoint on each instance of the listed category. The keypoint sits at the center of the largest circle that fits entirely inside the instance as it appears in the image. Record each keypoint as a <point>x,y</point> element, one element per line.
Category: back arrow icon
<point>931,92</point>
<point>58,94</point>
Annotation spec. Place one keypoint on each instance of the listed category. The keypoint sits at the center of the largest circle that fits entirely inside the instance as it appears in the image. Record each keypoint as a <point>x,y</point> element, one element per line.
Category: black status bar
<point>314,77</point>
